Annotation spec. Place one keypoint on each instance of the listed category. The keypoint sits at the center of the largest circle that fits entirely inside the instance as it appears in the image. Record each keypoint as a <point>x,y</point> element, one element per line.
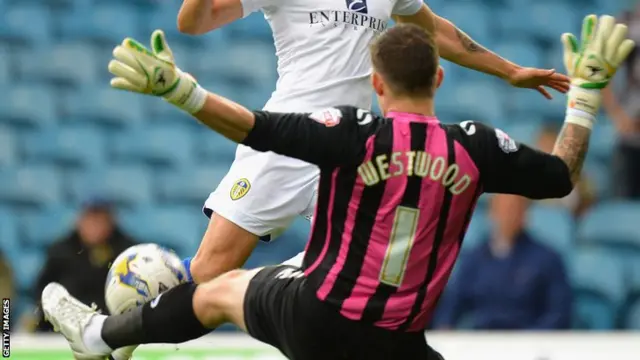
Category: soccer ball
<point>139,274</point>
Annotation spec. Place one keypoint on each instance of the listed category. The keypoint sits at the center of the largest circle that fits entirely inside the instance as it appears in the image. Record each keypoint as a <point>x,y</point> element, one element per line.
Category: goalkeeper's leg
<point>183,313</point>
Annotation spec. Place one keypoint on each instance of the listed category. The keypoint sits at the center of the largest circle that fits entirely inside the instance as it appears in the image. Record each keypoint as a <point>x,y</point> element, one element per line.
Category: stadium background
<point>65,135</point>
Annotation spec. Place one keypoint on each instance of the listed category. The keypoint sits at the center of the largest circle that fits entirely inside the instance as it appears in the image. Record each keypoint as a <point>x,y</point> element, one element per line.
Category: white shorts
<point>264,192</point>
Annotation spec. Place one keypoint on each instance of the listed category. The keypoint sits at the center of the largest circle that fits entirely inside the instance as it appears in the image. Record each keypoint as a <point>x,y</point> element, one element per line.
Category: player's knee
<point>214,300</point>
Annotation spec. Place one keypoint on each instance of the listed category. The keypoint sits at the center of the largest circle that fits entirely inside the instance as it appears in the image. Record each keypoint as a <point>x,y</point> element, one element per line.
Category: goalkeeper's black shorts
<point>281,310</point>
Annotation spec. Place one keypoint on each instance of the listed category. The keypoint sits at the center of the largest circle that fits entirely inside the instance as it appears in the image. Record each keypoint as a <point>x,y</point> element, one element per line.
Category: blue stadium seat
<point>511,24</point>
<point>216,40</point>
<point>239,67</point>
<point>224,88</point>
<point>553,109</point>
<point>106,106</point>
<point>43,227</point>
<point>213,148</point>
<point>109,23</point>
<point>477,100</point>
<point>534,121</point>
<point>5,65</point>
<point>29,105</point>
<point>29,265</point>
<point>612,224</point>
<point>255,97</point>
<point>165,146</point>
<point>632,317</point>
<point>483,202</point>
<point>598,279</point>
<point>140,5</point>
<point>71,146</point>
<point>611,7</point>
<point>550,18</point>
<point>232,66</point>
<point>523,131</point>
<point>190,185</point>
<point>72,63</point>
<point>124,185</point>
<point>30,185</point>
<point>452,74</point>
<point>26,23</point>
<point>8,147</point>
<point>478,231</point>
<point>521,51</point>
<point>164,16</point>
<point>68,64</point>
<point>555,57</point>
<point>552,226</point>
<point>598,272</point>
<point>9,240</point>
<point>593,313</point>
<point>633,272</point>
<point>208,63</point>
<point>163,113</point>
<point>255,26</point>
<point>179,228</point>
<point>601,146</point>
<point>472,17</point>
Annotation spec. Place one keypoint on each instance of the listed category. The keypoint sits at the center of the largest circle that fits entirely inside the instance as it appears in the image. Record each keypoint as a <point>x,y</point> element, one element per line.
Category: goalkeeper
<point>282,305</point>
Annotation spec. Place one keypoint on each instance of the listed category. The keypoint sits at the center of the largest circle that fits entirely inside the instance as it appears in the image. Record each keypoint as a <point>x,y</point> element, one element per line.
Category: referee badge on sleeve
<point>506,144</point>
<point>240,189</point>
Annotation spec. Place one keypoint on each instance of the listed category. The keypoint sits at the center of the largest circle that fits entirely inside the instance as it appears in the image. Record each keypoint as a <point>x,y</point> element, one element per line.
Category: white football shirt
<point>322,49</point>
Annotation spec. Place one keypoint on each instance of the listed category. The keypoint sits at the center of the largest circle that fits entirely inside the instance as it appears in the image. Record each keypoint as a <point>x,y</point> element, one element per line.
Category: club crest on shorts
<point>507,144</point>
<point>240,189</point>
<point>329,117</point>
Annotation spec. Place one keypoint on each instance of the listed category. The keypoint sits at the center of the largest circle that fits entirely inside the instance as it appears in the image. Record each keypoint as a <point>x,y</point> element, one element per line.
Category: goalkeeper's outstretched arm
<point>591,64</point>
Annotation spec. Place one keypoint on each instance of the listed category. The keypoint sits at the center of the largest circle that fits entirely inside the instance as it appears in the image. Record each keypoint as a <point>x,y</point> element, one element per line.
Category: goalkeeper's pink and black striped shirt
<point>395,197</point>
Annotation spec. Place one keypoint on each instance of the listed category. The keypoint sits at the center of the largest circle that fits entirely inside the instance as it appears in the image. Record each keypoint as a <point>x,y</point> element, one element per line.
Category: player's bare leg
<point>225,246</point>
<point>183,313</point>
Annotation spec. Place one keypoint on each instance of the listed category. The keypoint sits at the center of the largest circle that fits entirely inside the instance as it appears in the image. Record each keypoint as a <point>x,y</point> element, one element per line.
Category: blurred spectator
<point>80,261</point>
<point>620,100</point>
<point>7,289</point>
<point>510,282</point>
<point>583,195</point>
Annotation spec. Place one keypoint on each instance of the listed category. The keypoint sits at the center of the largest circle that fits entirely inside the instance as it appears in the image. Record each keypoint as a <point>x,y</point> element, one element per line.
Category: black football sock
<point>169,318</point>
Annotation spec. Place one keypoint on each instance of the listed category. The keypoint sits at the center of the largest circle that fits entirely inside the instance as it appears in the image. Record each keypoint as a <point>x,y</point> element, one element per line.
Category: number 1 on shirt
<point>401,240</point>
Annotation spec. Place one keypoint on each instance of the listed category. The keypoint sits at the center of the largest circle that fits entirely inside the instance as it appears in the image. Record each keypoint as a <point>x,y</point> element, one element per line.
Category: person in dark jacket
<point>510,282</point>
<point>80,261</point>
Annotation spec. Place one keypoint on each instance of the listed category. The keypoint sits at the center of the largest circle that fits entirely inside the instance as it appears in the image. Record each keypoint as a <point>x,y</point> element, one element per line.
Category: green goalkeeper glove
<point>592,64</point>
<point>154,73</point>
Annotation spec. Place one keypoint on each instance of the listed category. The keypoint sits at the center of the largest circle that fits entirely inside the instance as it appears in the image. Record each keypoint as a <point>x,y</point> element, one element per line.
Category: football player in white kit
<point>323,61</point>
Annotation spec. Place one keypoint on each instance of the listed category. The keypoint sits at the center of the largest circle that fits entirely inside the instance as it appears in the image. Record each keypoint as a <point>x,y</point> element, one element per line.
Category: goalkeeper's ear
<point>160,47</point>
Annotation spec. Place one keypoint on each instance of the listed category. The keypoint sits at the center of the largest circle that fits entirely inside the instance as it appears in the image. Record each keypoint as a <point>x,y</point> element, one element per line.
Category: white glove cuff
<point>582,106</point>
<point>188,96</point>
<point>195,101</point>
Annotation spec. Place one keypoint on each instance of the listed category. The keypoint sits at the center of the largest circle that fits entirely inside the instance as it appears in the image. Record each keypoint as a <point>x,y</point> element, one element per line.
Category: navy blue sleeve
<point>557,311</point>
<point>332,137</point>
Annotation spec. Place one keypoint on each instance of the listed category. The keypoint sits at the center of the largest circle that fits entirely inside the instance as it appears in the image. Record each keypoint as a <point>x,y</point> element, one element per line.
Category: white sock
<point>92,336</point>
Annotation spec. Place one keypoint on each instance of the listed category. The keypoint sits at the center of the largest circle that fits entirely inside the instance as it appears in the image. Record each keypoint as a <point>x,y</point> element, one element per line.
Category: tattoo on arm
<point>468,43</point>
<point>571,147</point>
